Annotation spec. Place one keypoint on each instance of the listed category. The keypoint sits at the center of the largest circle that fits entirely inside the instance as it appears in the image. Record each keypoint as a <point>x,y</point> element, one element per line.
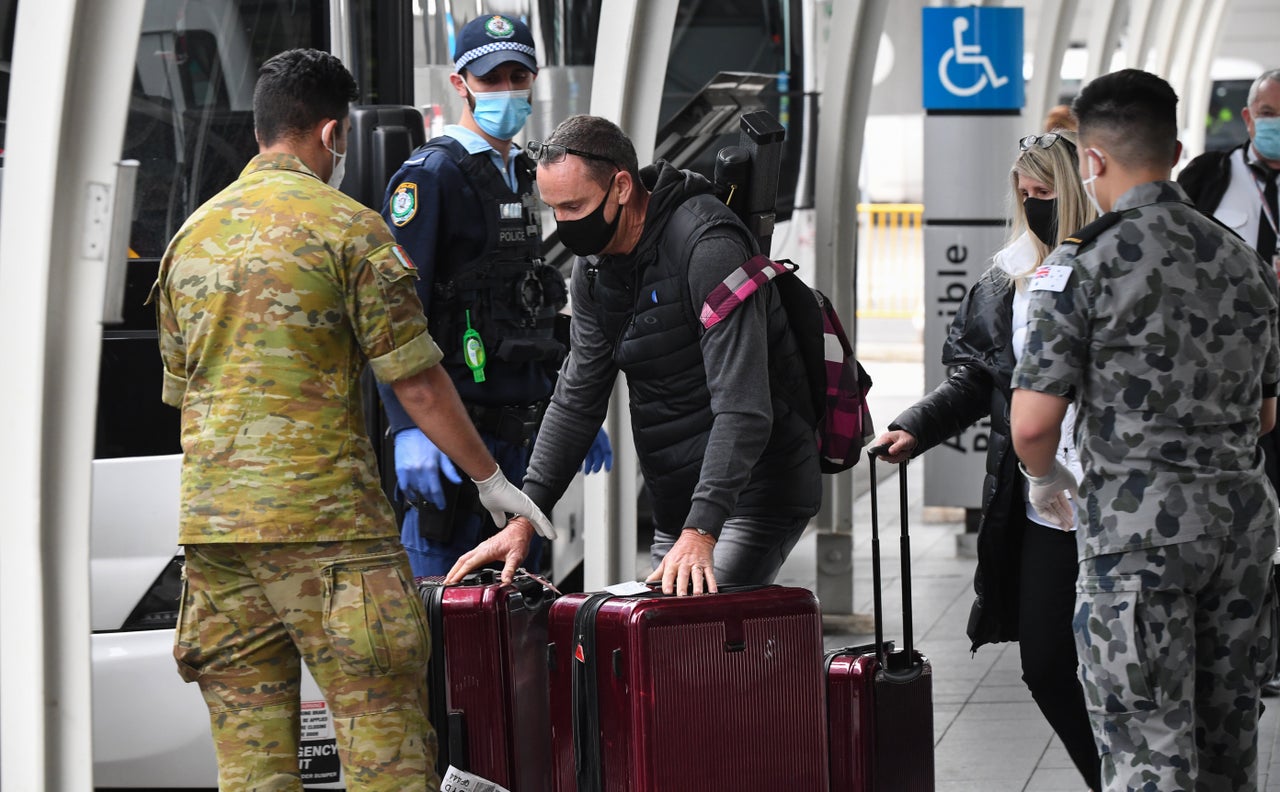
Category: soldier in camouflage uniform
<point>270,300</point>
<point>1162,327</point>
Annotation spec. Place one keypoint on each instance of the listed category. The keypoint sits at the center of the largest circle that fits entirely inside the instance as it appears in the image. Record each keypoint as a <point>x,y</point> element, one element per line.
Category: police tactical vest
<point>507,294</point>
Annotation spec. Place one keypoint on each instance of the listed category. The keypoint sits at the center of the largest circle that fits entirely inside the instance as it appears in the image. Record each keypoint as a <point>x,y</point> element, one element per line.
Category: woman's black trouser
<point>1047,644</point>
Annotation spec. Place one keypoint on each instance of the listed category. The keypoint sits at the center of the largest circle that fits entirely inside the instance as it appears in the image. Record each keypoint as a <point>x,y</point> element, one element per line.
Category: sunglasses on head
<point>1042,141</point>
<point>552,153</point>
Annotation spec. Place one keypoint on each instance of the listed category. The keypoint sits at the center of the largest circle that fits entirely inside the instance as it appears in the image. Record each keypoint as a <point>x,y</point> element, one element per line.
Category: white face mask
<point>1092,195</point>
<point>339,162</point>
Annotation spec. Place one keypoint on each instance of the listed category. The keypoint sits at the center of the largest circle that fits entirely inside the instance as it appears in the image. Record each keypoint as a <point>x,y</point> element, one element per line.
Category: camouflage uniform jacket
<point>1162,326</point>
<point>270,299</point>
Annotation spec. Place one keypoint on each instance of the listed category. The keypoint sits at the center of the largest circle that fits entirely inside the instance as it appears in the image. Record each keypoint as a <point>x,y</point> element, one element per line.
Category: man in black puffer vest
<point>725,442</point>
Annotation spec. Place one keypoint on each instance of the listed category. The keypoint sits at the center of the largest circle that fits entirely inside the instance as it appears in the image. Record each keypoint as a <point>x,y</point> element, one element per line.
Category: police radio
<point>746,175</point>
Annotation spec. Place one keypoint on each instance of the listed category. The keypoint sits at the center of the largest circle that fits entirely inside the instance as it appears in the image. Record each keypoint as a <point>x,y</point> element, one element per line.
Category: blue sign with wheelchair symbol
<point>973,58</point>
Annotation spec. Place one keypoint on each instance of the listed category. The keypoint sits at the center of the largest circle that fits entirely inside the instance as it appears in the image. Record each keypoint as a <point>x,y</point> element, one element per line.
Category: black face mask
<point>589,235</point>
<point>1042,219</point>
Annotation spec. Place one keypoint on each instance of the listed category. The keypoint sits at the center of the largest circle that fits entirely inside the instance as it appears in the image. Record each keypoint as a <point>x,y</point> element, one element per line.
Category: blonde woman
<point>1025,581</point>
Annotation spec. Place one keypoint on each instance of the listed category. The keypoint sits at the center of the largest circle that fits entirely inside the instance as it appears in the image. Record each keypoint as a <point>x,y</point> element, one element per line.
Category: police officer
<point>270,300</point>
<point>464,207</point>
<point>1162,326</point>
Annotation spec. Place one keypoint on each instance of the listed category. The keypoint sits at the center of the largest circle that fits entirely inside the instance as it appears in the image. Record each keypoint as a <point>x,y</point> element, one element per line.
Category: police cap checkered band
<point>488,41</point>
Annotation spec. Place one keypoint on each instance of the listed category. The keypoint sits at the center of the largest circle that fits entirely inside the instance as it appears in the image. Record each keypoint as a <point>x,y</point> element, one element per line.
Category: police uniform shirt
<point>439,219</point>
<point>444,222</point>
<point>1162,326</point>
<point>269,301</point>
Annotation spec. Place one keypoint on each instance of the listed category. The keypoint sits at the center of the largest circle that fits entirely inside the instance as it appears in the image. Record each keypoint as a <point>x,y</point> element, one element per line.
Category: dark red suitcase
<point>488,677</point>
<point>671,694</point>
<point>880,701</point>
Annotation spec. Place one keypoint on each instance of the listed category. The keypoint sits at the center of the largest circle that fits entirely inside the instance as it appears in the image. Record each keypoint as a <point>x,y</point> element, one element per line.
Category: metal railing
<point>890,260</point>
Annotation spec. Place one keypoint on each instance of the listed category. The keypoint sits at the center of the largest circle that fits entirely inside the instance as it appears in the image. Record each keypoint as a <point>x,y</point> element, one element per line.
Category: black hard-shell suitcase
<point>880,700</point>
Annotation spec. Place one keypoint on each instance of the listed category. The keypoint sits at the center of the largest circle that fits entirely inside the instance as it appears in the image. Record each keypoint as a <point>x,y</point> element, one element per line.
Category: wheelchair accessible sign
<point>973,58</point>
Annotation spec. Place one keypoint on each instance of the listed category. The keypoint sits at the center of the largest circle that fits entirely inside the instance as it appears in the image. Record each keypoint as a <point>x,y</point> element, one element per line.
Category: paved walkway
<point>988,733</point>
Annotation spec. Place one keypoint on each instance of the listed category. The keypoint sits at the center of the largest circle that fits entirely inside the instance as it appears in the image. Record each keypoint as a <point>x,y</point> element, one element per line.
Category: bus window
<point>8,19</point>
<point>722,35</point>
<point>190,126</point>
<point>1225,127</point>
<point>190,122</point>
<point>710,36</point>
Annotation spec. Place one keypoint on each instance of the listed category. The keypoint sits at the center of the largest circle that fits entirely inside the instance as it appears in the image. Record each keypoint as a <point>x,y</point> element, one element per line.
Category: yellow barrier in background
<point>890,260</point>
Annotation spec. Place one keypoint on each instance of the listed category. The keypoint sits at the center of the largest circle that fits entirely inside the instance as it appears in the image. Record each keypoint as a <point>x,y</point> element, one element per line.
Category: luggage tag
<point>628,588</point>
<point>456,780</point>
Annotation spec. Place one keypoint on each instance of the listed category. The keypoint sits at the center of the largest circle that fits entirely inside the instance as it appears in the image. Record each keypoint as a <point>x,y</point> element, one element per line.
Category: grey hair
<point>1271,74</point>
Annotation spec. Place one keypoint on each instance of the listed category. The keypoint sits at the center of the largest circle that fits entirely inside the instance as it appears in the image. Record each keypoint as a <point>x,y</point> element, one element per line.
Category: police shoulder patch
<point>1092,231</point>
<point>404,203</point>
<point>1050,277</point>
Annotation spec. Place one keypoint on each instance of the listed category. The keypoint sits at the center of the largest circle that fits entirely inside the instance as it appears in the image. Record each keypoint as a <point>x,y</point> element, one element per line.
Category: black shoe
<point>1271,687</point>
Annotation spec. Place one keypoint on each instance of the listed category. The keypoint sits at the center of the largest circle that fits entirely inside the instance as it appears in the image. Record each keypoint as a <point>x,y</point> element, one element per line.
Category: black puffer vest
<point>646,309</point>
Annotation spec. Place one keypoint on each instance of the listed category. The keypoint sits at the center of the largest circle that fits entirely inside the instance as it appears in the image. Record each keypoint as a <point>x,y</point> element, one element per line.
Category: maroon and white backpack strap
<point>737,287</point>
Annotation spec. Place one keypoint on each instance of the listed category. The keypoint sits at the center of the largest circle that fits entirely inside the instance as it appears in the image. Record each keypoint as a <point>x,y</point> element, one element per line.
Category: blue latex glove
<point>600,455</point>
<point>420,466</point>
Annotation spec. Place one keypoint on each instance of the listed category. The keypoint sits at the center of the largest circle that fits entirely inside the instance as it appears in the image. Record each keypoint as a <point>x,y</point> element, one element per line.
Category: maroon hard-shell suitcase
<point>652,693</point>
<point>488,677</point>
<point>880,700</point>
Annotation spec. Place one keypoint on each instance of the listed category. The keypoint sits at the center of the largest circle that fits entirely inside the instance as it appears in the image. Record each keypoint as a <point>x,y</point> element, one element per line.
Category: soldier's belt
<point>513,424</point>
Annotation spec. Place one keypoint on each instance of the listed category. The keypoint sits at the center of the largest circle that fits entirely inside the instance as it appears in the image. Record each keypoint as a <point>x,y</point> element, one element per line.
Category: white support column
<point>632,48</point>
<point>631,66</point>
<point>1052,37</point>
<point>69,96</point>
<point>1184,47</point>
<point>1104,32</point>
<point>1199,80</point>
<point>851,58</point>
<point>1172,14</point>
<point>1143,18</point>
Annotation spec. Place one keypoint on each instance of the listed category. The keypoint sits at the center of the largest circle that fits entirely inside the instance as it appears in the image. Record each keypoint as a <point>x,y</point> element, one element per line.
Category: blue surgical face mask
<point>1266,137</point>
<point>501,113</point>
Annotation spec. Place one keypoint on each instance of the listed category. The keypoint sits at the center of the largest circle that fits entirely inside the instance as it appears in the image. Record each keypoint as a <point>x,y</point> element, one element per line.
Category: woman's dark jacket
<point>979,352</point>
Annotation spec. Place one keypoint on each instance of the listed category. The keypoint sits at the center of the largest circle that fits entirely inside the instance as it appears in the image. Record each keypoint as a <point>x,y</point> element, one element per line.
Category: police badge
<point>499,27</point>
<point>404,203</point>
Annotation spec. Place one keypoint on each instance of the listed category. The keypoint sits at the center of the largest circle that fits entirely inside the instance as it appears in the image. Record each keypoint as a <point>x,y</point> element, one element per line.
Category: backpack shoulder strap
<point>739,285</point>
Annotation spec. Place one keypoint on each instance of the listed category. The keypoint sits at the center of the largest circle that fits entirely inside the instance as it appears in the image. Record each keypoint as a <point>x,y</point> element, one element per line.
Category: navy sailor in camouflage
<point>1161,326</point>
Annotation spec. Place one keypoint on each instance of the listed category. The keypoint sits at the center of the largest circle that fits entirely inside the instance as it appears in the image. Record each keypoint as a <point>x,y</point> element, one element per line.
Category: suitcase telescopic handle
<point>905,544</point>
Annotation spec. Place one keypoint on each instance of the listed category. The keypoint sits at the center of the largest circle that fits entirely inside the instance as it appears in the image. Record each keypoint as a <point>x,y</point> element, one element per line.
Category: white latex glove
<point>1048,495</point>
<point>501,498</point>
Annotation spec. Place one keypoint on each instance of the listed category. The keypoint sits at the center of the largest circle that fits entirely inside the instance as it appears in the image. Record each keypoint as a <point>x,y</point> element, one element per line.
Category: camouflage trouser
<point>249,612</point>
<point>1174,644</point>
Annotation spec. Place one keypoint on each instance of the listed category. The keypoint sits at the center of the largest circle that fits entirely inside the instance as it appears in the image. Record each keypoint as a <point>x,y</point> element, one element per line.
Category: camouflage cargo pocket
<point>1113,644</point>
<point>186,638</point>
<point>373,618</point>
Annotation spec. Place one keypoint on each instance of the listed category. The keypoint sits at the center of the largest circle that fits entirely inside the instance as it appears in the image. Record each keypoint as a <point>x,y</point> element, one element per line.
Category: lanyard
<point>1258,184</point>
